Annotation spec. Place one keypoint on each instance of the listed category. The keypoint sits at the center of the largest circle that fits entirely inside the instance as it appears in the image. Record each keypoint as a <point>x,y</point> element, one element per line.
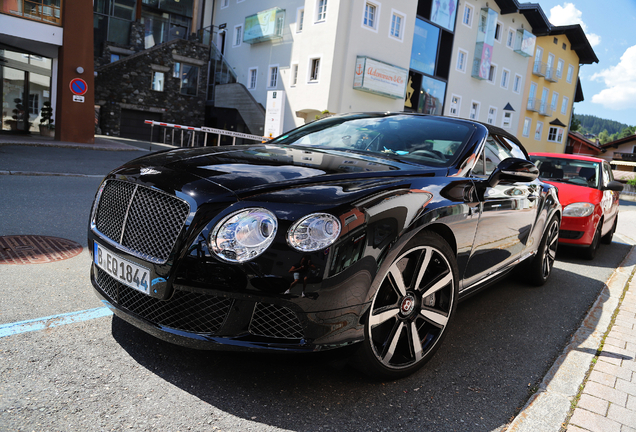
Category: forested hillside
<point>596,125</point>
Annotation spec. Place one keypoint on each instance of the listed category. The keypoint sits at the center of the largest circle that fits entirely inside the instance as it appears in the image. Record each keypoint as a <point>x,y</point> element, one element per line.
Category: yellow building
<point>552,86</point>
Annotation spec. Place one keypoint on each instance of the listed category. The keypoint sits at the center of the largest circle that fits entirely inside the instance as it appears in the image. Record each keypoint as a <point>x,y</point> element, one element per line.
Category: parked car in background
<point>361,230</point>
<point>588,194</point>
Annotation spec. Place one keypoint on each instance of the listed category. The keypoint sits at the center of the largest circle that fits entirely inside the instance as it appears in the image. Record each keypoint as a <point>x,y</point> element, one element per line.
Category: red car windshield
<point>579,172</point>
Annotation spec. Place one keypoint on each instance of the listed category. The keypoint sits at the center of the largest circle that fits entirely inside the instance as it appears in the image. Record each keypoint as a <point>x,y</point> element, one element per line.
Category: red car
<point>588,194</point>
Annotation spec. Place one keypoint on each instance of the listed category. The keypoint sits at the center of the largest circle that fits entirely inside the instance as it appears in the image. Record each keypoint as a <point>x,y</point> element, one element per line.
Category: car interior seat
<point>588,174</point>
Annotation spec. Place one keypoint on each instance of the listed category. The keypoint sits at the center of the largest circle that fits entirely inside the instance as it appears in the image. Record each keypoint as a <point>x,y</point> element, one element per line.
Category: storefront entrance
<point>25,85</point>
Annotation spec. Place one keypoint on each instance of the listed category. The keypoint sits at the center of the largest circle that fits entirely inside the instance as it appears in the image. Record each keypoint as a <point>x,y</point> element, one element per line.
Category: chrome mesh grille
<point>275,321</point>
<point>149,220</point>
<point>193,312</point>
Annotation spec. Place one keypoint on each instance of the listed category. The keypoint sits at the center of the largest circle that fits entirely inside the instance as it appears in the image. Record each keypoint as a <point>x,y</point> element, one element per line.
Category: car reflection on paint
<point>589,196</point>
<point>358,230</point>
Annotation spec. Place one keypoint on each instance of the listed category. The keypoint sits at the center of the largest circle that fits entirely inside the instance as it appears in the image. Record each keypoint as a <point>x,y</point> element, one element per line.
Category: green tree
<point>575,124</point>
<point>604,137</point>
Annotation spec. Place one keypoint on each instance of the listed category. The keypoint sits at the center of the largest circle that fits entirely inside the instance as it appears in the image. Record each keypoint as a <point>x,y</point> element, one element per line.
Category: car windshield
<point>579,172</point>
<point>420,139</point>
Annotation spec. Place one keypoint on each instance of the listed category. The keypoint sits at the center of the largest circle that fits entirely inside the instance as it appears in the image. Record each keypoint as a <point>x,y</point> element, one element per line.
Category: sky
<point>609,86</point>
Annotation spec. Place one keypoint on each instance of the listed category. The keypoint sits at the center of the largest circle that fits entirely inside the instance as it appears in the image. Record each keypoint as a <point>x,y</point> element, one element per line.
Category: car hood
<point>265,166</point>
<point>569,193</point>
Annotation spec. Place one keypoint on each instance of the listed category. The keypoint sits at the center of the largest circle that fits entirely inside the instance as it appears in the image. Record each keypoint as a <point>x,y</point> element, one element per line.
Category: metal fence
<point>189,137</point>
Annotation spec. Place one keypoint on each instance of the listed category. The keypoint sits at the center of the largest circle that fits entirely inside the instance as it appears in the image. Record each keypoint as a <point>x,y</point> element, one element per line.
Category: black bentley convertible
<point>362,229</point>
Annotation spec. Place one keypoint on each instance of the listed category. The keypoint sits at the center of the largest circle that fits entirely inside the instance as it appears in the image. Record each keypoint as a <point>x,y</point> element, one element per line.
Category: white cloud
<point>568,14</point>
<point>620,81</point>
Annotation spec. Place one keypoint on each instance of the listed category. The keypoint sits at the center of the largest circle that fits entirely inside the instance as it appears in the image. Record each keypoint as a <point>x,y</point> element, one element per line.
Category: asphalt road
<point>103,374</point>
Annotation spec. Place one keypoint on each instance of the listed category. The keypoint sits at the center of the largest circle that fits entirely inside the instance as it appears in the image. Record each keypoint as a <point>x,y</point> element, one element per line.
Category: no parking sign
<point>78,87</point>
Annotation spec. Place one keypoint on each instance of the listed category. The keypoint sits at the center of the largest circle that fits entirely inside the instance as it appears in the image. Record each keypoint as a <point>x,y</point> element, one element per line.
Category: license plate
<point>124,271</point>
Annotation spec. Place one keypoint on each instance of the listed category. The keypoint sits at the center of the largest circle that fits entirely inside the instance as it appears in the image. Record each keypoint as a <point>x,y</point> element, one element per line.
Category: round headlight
<point>314,232</point>
<point>581,209</point>
<point>243,235</point>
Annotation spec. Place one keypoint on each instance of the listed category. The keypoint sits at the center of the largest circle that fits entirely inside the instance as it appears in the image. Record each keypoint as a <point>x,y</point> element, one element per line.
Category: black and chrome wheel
<point>541,266</point>
<point>411,310</point>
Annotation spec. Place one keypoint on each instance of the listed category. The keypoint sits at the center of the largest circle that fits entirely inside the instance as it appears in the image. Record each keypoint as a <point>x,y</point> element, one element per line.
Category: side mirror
<point>513,170</point>
<point>614,186</point>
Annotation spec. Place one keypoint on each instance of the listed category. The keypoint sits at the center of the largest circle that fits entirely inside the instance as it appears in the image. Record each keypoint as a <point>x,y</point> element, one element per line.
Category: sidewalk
<point>102,142</point>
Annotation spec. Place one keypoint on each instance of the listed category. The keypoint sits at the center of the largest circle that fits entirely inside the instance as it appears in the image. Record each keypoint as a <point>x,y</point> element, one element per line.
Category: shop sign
<point>263,26</point>
<point>380,78</point>
<point>274,113</point>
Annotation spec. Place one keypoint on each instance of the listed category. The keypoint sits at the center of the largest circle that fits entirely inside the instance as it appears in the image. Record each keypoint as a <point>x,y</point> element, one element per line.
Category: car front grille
<point>275,321</point>
<point>145,221</point>
<point>570,235</point>
<point>193,312</point>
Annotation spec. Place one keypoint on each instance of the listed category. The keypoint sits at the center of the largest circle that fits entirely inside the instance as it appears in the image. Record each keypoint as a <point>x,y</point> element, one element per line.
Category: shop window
<point>425,45</point>
<point>158,80</point>
<point>34,104</point>
<point>397,20</point>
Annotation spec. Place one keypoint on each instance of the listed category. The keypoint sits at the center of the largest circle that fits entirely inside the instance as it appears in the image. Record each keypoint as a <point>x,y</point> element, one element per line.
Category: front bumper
<point>577,230</point>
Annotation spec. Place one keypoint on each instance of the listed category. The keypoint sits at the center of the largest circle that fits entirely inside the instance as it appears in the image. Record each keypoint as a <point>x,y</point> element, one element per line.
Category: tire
<point>411,309</point>
<point>541,265</point>
<point>607,238</point>
<point>590,251</point>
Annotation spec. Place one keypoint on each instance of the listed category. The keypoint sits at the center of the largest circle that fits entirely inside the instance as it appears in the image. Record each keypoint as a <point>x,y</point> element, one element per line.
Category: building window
<point>238,35</point>
<point>505,78</point>
<point>510,40</point>
<point>225,3</point>
<point>314,70</point>
<point>158,80</point>
<point>507,120</point>
<point>273,77</point>
<point>370,18</point>
<point>189,76</point>
<point>462,60</point>
<point>34,103</point>
<point>538,55</point>
<point>300,17</point>
<point>251,78</point>
<point>559,71</point>
<point>555,100</point>
<point>492,74</point>
<point>498,31</point>
<point>538,131</point>
<point>474,110</point>
<point>321,12</point>
<point>516,86</point>
<point>397,20</point>
<point>294,74</point>
<point>564,105</point>
<point>280,23</point>
<point>456,101</point>
<point>467,18</point>
<point>555,134</point>
<point>526,126</point>
<point>570,74</point>
<point>492,115</point>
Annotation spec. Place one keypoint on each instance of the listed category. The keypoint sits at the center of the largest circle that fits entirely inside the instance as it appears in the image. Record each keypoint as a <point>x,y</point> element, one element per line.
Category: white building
<point>493,44</point>
<point>320,55</point>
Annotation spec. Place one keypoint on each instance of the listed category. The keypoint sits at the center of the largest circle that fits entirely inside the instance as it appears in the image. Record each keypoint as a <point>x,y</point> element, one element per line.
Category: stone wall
<point>127,84</point>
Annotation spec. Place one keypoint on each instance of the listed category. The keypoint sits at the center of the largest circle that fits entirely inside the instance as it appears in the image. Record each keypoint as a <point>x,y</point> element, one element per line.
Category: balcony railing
<point>545,109</point>
<point>539,68</point>
<point>534,104</point>
<point>551,74</point>
<point>46,11</point>
<point>631,157</point>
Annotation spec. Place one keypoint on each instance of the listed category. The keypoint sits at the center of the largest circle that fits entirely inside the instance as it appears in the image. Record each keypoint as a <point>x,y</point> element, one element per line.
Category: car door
<point>609,202</point>
<point>507,214</point>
